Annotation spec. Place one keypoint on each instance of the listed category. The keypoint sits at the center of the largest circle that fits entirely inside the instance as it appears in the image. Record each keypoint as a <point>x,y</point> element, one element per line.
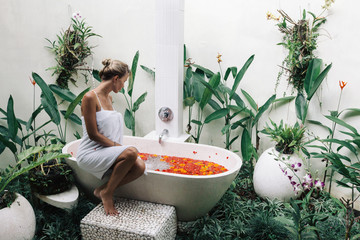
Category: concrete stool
<point>136,220</point>
<point>65,200</point>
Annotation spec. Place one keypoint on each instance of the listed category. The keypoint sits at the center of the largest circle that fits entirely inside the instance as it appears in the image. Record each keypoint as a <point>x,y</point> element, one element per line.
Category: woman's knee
<point>140,165</point>
<point>131,153</point>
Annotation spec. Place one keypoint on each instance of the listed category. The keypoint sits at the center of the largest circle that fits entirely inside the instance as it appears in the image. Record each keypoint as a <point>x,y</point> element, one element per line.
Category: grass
<point>240,214</point>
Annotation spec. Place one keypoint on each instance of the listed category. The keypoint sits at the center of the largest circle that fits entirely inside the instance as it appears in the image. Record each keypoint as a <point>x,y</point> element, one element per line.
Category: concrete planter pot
<point>18,220</point>
<point>274,179</point>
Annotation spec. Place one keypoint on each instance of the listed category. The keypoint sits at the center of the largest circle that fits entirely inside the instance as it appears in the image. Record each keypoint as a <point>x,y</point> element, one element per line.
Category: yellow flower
<point>219,58</point>
<point>270,16</point>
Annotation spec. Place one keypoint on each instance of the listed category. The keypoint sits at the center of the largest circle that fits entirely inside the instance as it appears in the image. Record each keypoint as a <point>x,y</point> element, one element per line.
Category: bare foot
<point>97,192</point>
<point>107,200</point>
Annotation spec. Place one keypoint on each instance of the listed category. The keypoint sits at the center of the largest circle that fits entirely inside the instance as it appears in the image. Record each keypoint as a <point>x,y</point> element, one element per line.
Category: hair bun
<point>106,62</point>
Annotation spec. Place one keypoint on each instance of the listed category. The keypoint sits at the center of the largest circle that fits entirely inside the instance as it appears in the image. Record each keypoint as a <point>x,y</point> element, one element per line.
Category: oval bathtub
<point>192,196</point>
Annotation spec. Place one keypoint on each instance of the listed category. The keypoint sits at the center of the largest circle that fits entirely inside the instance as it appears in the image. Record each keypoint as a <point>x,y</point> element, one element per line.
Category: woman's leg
<point>135,172</point>
<point>121,167</point>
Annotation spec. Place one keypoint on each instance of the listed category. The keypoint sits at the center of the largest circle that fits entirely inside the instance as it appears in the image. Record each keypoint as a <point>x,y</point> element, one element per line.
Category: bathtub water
<point>192,196</point>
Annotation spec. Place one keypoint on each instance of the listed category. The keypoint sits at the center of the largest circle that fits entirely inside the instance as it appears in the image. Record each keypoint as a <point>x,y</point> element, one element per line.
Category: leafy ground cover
<point>240,214</point>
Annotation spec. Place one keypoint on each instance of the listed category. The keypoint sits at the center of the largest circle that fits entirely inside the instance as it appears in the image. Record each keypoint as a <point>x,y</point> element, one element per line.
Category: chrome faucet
<point>164,132</point>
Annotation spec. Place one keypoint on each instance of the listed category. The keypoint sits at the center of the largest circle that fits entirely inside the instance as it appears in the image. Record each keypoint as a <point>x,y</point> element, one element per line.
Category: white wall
<point>234,28</point>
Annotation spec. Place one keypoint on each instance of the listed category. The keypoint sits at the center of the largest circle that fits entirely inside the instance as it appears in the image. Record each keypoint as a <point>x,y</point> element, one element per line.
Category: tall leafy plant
<point>132,106</point>
<point>49,103</point>
<point>313,79</point>
<point>227,103</point>
<point>15,135</point>
<point>328,152</point>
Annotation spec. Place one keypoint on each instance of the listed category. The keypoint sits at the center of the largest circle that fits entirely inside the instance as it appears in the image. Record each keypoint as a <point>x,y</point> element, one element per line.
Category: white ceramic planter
<point>18,220</point>
<point>274,180</point>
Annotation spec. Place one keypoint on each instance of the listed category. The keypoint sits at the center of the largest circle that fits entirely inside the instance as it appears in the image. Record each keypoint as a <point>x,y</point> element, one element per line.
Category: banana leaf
<point>232,70</point>
<point>240,75</point>
<point>32,118</point>
<point>301,107</point>
<point>312,73</point>
<point>128,119</point>
<point>133,73</point>
<point>313,79</point>
<point>198,88</point>
<point>216,115</point>
<point>140,100</point>
<point>11,119</point>
<point>250,100</point>
<point>96,75</point>
<point>73,117</point>
<point>263,108</point>
<point>63,93</point>
<point>342,123</point>
<point>74,103</point>
<point>148,70</point>
<point>208,73</point>
<point>210,89</point>
<point>8,144</point>
<point>246,145</point>
<point>47,99</point>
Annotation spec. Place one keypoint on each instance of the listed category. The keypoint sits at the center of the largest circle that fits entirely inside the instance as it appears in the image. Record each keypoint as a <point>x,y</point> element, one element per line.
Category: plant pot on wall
<point>18,220</point>
<point>276,175</point>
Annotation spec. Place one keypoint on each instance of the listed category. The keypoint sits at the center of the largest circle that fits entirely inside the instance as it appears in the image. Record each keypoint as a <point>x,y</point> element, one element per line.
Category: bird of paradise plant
<point>334,156</point>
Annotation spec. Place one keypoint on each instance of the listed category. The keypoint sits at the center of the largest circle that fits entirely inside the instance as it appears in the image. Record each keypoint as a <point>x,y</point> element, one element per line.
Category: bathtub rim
<point>236,168</point>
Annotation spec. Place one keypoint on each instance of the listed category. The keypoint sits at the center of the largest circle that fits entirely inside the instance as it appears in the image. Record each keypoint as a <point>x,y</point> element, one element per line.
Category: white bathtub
<point>192,196</point>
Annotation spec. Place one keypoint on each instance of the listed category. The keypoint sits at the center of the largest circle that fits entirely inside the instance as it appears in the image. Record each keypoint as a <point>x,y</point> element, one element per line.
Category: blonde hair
<point>113,68</point>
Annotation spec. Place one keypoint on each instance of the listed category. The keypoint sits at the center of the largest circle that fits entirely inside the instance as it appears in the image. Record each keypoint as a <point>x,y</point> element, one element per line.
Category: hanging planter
<point>278,175</point>
<point>18,220</point>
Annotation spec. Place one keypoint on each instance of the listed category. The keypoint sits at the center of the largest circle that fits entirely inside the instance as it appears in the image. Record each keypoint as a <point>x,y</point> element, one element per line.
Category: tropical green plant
<point>195,92</point>
<point>197,89</point>
<point>249,123</point>
<point>289,139</point>
<point>262,227</point>
<point>301,64</point>
<point>302,224</point>
<point>340,162</point>
<point>50,105</point>
<point>39,155</point>
<point>15,135</point>
<point>312,82</point>
<point>71,49</point>
<point>300,39</point>
<point>129,116</point>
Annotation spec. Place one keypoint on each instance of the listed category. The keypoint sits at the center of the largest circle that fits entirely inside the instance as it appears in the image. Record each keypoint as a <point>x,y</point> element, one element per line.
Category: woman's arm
<point>88,110</point>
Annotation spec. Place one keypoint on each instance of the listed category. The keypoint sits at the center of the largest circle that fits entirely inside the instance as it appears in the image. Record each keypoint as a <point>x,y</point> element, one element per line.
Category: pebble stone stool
<point>136,220</point>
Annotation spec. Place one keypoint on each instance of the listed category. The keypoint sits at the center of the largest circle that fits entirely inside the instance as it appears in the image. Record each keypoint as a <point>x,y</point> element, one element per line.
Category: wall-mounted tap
<point>164,132</point>
<point>165,114</point>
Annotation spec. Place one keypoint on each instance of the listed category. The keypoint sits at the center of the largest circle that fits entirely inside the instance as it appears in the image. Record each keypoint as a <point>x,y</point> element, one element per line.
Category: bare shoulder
<point>89,101</point>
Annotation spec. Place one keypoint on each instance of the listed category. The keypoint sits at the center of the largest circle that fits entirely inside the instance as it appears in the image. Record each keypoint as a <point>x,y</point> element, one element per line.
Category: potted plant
<point>15,210</point>
<point>51,177</point>
<point>280,169</point>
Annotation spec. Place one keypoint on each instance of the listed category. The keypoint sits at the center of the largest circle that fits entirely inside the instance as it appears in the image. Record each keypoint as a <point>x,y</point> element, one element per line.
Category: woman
<point>101,151</point>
